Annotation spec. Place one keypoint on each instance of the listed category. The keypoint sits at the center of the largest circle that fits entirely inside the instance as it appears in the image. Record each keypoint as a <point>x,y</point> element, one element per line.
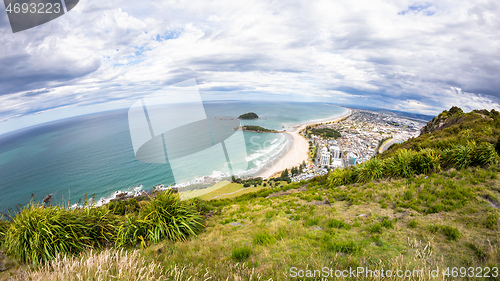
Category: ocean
<point>93,154</point>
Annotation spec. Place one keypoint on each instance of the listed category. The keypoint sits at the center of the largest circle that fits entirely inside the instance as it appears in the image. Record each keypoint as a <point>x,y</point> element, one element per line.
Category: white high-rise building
<point>335,152</point>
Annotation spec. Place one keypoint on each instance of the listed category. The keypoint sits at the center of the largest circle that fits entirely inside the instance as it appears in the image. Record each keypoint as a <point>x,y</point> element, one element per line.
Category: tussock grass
<point>241,253</point>
<point>165,217</point>
<point>371,170</point>
<point>37,234</point>
<point>406,163</point>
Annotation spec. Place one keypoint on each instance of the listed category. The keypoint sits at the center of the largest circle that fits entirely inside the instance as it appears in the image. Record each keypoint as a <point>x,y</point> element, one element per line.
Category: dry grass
<point>107,265</point>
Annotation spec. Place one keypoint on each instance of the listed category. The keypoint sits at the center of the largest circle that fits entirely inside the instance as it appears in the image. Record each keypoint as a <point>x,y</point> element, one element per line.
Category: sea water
<point>92,155</point>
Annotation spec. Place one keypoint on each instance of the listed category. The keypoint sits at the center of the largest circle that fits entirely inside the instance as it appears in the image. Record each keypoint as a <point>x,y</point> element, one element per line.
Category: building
<point>335,152</point>
<point>351,158</point>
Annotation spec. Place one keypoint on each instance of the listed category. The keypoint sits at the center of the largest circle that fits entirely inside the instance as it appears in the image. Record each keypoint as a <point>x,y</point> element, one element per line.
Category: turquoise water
<point>93,154</point>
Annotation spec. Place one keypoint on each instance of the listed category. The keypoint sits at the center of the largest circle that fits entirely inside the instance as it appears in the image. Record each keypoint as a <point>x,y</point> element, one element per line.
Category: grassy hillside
<point>432,202</point>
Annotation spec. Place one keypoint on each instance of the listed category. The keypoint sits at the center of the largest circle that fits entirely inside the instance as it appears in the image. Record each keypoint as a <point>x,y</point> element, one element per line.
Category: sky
<point>412,56</point>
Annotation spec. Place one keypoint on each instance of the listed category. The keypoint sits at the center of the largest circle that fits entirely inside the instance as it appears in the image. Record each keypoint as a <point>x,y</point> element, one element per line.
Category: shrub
<point>342,176</point>
<point>3,228</point>
<point>460,155</point>
<point>485,154</point>
<point>400,165</point>
<point>426,161</point>
<point>371,170</point>
<point>122,207</point>
<point>38,234</point>
<point>241,253</point>
<point>165,217</point>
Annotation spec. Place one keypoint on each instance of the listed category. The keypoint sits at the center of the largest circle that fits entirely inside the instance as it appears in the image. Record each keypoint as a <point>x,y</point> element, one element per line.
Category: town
<point>353,140</point>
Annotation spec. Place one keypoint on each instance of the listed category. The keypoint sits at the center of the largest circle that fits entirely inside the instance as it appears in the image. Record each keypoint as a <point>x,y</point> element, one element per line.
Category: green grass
<point>263,238</point>
<point>241,253</point>
<point>165,217</point>
<point>335,223</point>
<point>38,234</point>
<point>492,221</point>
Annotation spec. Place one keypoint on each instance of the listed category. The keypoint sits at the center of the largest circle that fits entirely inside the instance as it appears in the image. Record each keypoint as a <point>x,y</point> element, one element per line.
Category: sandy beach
<point>299,151</point>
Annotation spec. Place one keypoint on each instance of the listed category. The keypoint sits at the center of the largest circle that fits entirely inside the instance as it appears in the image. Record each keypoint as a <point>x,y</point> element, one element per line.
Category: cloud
<point>408,55</point>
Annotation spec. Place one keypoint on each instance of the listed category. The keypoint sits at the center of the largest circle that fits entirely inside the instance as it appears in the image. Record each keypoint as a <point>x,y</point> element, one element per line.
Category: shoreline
<point>387,144</point>
<point>299,152</point>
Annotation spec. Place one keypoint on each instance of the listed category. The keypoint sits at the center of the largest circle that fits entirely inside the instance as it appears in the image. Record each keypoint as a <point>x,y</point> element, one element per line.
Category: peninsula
<point>257,129</point>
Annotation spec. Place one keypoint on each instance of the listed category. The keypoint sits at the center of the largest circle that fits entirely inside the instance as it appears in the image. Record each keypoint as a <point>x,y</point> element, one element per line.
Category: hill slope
<point>432,202</point>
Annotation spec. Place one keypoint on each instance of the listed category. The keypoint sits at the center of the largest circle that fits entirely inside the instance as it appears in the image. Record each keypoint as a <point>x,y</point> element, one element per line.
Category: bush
<point>342,176</point>
<point>123,207</point>
<point>426,161</point>
<point>371,170</point>
<point>241,253</point>
<point>3,228</point>
<point>485,154</point>
<point>400,165</point>
<point>37,234</point>
<point>165,217</point>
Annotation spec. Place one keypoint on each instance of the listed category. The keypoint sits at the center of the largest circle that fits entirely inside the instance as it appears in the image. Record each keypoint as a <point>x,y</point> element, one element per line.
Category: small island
<point>249,116</point>
<point>257,129</point>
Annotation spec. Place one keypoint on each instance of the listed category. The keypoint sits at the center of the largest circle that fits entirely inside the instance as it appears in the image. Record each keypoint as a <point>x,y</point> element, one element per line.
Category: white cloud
<point>395,54</point>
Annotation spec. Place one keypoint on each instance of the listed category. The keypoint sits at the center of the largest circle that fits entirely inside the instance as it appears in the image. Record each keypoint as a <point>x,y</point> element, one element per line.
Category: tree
<point>284,174</point>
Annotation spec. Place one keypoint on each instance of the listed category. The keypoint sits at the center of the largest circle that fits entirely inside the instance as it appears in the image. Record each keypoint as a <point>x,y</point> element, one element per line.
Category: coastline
<point>299,152</point>
<point>387,144</point>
